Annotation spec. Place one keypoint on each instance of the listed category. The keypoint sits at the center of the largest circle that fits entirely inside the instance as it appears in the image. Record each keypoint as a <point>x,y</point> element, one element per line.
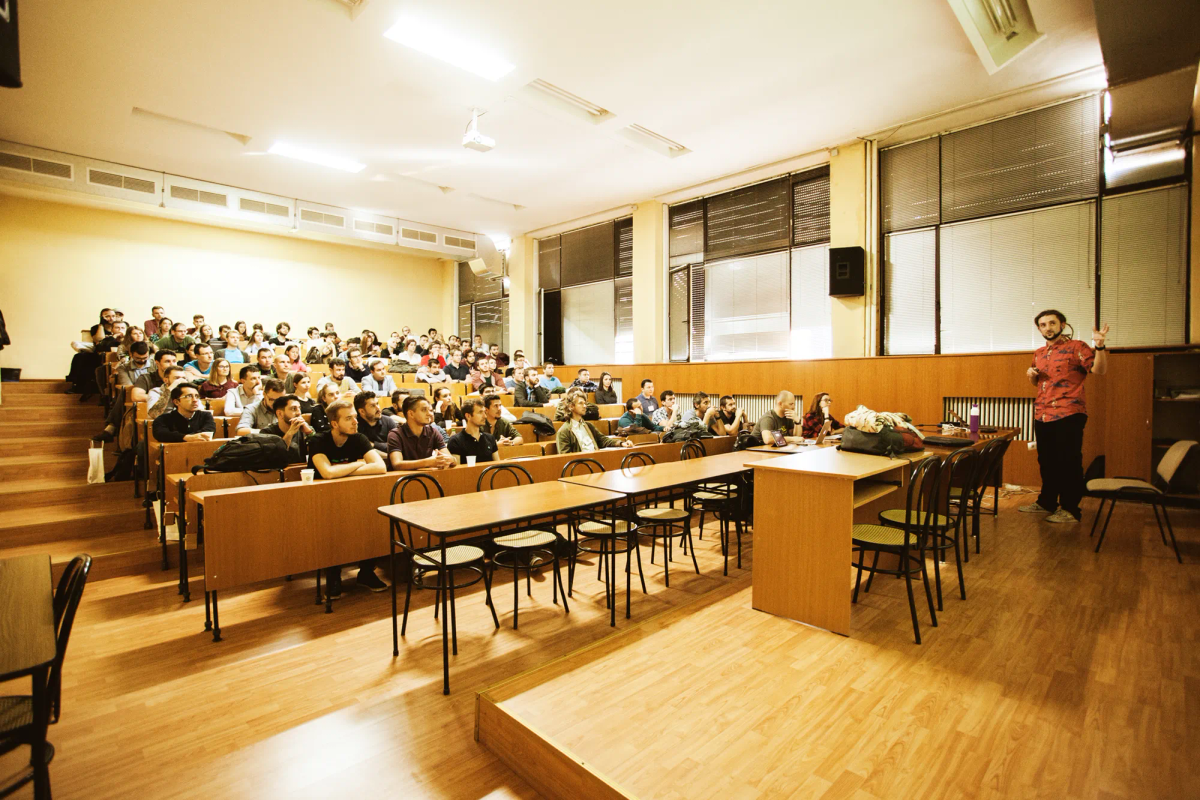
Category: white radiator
<point>1002,412</point>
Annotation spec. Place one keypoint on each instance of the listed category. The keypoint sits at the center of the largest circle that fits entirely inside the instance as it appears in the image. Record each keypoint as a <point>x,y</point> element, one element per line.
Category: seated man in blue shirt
<point>202,365</point>
<point>633,416</point>
<point>549,382</point>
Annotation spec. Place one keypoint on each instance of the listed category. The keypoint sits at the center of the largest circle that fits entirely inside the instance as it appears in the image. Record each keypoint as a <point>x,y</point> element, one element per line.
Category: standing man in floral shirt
<point>1060,413</point>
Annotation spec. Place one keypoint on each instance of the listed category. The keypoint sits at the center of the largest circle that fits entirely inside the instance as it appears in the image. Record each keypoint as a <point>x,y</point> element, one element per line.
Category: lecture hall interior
<point>796,399</point>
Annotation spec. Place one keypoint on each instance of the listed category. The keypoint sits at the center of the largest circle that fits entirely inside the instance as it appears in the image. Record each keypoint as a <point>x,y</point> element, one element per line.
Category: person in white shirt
<point>258,341</point>
<point>379,381</point>
<point>338,378</point>
<point>432,373</point>
<point>246,393</point>
<point>409,354</point>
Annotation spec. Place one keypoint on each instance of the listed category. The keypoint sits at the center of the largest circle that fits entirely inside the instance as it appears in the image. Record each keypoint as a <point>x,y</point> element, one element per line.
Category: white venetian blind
<point>1143,267</point>
<point>909,289</point>
<point>678,322</point>
<point>623,344</point>
<point>746,308</point>
<point>588,323</point>
<point>812,329</point>
<point>997,273</point>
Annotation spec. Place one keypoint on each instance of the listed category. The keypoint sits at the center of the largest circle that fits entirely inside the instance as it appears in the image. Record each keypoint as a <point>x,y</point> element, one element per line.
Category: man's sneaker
<point>1062,515</point>
<point>369,580</point>
<point>1033,508</point>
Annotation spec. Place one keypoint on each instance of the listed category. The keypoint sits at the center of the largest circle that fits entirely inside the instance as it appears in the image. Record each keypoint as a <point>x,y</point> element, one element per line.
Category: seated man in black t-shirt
<point>291,427</point>
<point>471,441</point>
<point>339,453</point>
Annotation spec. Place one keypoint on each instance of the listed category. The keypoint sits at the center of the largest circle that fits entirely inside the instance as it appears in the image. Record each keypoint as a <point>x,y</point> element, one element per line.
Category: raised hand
<point>1098,336</point>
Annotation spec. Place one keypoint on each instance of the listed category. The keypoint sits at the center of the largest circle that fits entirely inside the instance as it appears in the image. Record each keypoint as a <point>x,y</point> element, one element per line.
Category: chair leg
<point>1161,531</point>
<point>687,537</point>
<point>937,571</point>
<point>1096,521</point>
<point>1112,503</point>
<point>871,577</point>
<point>962,587</point>
<point>407,597</point>
<point>737,525</point>
<point>516,590</point>
<point>928,595</point>
<point>1171,531</point>
<point>858,574</point>
<point>453,615</point>
<point>487,593</point>
<point>702,523</point>
<point>724,529</point>
<point>636,546</point>
<point>912,603</point>
<point>395,635</point>
<point>445,635</point>
<point>666,557</point>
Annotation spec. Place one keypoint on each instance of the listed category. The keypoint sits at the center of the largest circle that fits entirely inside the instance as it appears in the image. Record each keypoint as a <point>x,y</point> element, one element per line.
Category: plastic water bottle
<point>974,420</point>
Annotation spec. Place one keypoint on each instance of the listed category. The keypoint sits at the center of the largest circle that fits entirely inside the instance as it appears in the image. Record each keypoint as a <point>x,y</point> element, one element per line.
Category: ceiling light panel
<point>449,47</point>
<point>644,137</point>
<point>316,157</point>
<point>561,100</point>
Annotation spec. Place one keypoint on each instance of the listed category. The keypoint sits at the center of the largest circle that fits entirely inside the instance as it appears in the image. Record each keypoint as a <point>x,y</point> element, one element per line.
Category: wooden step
<point>113,555</point>
<point>10,414</point>
<point>64,425</point>
<point>47,466</point>
<point>34,387</point>
<point>55,400</point>
<point>26,492</point>
<point>45,446</point>
<point>24,526</point>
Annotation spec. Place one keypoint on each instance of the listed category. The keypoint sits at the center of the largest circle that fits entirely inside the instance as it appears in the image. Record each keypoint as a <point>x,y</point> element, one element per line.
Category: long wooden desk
<point>462,515</point>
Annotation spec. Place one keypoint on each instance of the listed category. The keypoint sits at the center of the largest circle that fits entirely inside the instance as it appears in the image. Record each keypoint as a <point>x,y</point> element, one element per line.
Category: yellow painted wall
<point>848,227</point>
<point>648,280</point>
<point>523,297</point>
<point>60,264</point>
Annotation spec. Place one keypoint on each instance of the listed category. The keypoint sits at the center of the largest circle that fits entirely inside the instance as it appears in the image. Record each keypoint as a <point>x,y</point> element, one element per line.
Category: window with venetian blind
<point>746,308</point>
<point>811,326</point>
<point>588,323</point>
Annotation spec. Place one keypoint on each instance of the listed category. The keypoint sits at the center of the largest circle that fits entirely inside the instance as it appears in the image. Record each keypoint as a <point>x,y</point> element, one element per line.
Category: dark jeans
<point>335,573</point>
<point>1060,460</point>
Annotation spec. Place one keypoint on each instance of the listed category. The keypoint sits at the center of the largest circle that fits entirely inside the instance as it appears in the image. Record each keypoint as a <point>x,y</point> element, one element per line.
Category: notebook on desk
<point>948,441</point>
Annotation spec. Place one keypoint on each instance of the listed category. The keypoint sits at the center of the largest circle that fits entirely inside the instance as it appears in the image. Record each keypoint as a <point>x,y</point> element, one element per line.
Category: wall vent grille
<point>37,166</point>
<point>333,220</point>
<point>101,178</point>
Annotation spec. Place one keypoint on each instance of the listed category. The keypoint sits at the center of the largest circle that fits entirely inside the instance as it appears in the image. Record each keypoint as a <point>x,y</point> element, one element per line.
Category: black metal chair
<point>1181,459</point>
<point>517,548</point>
<point>16,711</point>
<point>906,541</point>
<point>659,521</point>
<point>608,533</point>
<point>990,470</point>
<point>719,498</point>
<point>424,560</point>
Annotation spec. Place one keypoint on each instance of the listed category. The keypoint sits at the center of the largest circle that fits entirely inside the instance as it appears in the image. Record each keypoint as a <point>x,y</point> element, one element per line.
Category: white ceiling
<point>740,84</point>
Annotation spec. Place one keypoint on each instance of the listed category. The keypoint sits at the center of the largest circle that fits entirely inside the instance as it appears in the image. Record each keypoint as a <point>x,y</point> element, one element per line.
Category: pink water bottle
<point>974,420</point>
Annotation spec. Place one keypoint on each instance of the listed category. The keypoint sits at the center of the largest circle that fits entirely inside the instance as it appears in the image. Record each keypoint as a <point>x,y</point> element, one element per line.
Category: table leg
<point>445,623</point>
<point>182,526</point>
<point>207,610</point>
<point>216,619</point>
<point>41,718</point>
<point>392,561</point>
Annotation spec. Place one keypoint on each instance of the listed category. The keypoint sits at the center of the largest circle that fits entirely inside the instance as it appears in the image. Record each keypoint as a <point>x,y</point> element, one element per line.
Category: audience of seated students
<point>290,426</point>
<point>431,372</point>
<point>531,394</point>
<point>337,377</point>
<point>281,334</point>
<point>295,363</point>
<point>219,381</point>
<point>326,396</point>
<point>177,340</point>
<point>488,377</point>
<point>455,368</point>
<point>299,384</point>
<point>606,393</point>
<point>158,400</point>
<point>199,368</point>
<point>355,367</point>
<point>246,393</point>
<point>472,440</point>
<point>185,421</point>
<point>233,348</point>
<point>445,411</point>
<point>583,380</point>
<point>514,378</point>
<point>579,436</point>
<point>818,414</point>
<point>783,418</point>
<point>378,380</point>
<point>633,416</point>
<point>667,415</point>
<point>150,326</point>
<point>261,412</point>
<point>549,382</point>
<point>416,443</point>
<point>339,453</point>
<point>646,399</point>
<point>727,418</point>
<point>494,422</point>
<point>371,421</point>
<point>127,374</point>
<point>163,360</point>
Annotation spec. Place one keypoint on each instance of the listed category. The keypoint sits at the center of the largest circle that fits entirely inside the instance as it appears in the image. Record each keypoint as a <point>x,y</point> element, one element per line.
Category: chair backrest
<point>576,466</point>
<point>691,449</point>
<point>487,478</point>
<point>922,491</point>
<point>426,484</point>
<point>67,595</point>
<point>637,459</point>
<point>965,468</point>
<point>1172,459</point>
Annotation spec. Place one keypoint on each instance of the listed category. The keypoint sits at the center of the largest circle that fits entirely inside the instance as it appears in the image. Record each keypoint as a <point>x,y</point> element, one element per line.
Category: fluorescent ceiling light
<point>314,157</point>
<point>447,47</point>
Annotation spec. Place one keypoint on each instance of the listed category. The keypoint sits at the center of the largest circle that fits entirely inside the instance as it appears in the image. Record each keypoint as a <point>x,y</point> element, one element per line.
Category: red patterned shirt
<point>1062,369</point>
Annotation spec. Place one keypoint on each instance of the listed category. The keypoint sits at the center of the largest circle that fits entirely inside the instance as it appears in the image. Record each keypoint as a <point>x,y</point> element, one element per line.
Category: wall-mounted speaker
<point>847,271</point>
<point>10,62</point>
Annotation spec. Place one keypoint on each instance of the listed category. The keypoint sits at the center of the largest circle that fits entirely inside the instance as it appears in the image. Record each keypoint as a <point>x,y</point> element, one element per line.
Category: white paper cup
<point>470,461</point>
<point>307,475</point>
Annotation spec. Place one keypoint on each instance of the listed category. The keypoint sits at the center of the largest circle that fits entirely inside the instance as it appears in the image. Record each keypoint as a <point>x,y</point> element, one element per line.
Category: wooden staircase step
<point>22,526</point>
<point>26,492</point>
<point>47,400</point>
<point>47,466</point>
<point>10,415</point>
<point>34,387</point>
<point>64,425</point>
<point>113,554</point>
<point>44,446</point>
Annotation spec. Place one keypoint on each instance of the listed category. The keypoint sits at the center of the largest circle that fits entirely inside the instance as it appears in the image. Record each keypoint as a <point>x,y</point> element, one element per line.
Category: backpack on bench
<point>246,454</point>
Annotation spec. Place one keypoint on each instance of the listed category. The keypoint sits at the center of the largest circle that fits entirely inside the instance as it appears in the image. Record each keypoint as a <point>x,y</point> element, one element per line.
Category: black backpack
<point>541,423</point>
<point>257,451</point>
<point>687,433</point>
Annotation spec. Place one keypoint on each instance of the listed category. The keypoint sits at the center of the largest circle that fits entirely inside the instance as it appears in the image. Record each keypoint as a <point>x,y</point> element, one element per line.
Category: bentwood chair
<point>722,499</point>
<point>17,711</point>
<point>517,548</point>
<point>1178,465</point>
<point>988,475</point>
<point>607,537</point>
<point>907,542</point>
<point>662,521</point>
<point>421,561</point>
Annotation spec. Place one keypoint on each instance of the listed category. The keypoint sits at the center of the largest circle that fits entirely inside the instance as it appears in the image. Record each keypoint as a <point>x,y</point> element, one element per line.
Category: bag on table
<point>258,451</point>
<point>887,442</point>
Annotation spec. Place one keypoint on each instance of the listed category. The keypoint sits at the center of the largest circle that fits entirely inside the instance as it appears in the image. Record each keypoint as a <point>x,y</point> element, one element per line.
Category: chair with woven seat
<point>1175,473</point>
<point>989,472</point>
<point>17,726</point>
<point>612,535</point>
<point>425,560</point>
<point>906,542</point>
<point>663,522</point>
<point>719,498</point>
<point>517,548</point>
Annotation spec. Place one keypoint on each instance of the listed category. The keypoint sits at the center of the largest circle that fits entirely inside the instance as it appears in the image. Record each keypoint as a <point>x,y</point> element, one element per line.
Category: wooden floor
<point>1064,675</point>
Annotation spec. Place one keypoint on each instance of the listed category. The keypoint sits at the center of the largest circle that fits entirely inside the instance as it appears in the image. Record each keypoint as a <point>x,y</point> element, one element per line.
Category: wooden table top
<point>655,477</point>
<point>834,463</point>
<point>444,516</point>
<point>26,614</point>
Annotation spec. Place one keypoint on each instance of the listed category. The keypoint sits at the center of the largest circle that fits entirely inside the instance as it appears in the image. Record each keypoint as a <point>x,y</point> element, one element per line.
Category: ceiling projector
<point>475,140</point>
